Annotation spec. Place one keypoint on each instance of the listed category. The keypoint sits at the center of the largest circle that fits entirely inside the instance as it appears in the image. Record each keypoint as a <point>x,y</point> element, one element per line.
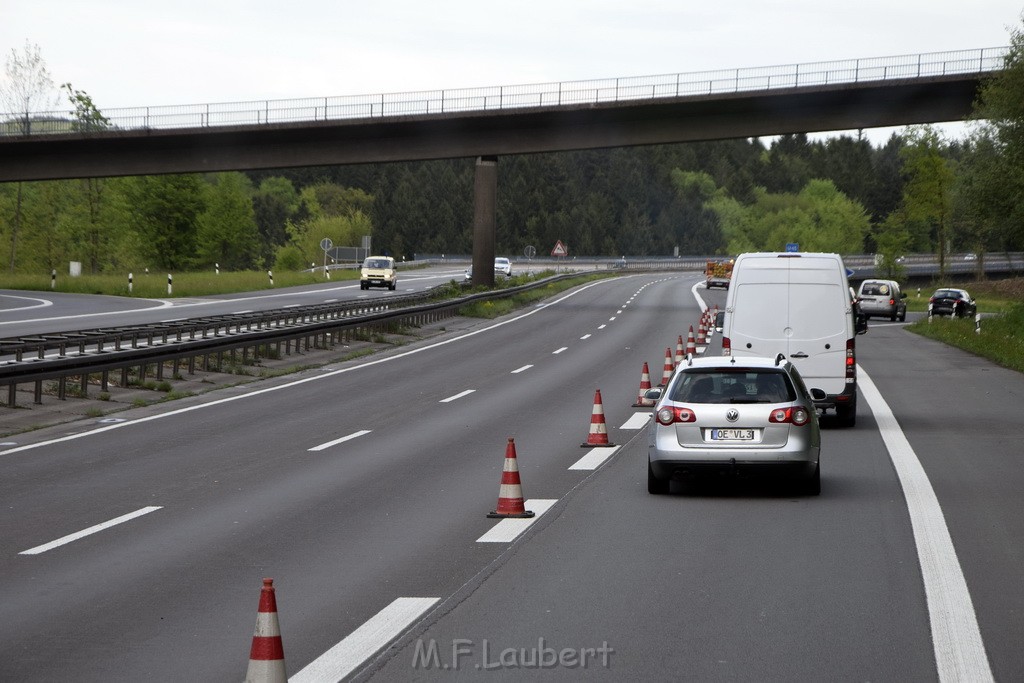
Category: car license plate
<point>732,434</point>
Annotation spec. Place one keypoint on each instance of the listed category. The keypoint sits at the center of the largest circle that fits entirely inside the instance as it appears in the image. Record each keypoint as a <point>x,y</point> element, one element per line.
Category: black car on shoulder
<point>952,302</point>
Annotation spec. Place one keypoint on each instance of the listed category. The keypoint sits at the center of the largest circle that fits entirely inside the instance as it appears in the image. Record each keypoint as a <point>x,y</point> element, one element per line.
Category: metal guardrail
<point>554,94</point>
<point>88,352</point>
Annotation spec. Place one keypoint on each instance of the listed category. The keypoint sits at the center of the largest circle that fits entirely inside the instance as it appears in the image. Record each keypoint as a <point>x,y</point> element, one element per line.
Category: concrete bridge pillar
<point>485,206</point>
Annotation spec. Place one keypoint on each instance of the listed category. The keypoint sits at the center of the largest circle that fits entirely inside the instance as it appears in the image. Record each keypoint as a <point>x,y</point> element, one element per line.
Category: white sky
<point>127,53</point>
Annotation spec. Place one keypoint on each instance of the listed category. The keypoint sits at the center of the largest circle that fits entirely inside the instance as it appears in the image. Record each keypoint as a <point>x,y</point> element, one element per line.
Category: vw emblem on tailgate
<point>732,415</point>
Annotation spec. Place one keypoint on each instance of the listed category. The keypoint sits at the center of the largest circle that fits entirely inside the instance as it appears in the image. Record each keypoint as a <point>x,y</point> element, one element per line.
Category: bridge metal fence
<point>480,99</point>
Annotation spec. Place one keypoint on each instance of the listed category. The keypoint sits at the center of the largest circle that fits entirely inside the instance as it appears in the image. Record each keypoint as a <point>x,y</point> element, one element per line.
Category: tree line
<point>919,192</point>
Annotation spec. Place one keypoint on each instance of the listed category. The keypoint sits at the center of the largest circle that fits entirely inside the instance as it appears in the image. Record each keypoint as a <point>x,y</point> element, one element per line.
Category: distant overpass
<point>498,120</point>
<point>486,123</point>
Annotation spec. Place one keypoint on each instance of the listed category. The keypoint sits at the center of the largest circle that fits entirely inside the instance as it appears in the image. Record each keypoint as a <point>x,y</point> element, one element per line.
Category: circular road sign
<point>326,243</point>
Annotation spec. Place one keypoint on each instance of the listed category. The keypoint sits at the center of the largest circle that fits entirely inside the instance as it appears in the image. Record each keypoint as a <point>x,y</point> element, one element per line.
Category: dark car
<point>952,302</point>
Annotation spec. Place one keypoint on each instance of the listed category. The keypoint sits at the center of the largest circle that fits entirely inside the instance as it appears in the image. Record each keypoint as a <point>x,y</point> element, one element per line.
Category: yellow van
<point>378,271</point>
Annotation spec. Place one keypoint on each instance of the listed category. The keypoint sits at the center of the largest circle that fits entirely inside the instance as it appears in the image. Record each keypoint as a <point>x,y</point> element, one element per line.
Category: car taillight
<point>726,346</point>
<point>794,415</point>
<point>670,415</point>
<point>892,302</point>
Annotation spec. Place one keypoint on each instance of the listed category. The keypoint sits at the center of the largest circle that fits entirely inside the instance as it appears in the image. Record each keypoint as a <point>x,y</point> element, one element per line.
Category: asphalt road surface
<point>136,550</point>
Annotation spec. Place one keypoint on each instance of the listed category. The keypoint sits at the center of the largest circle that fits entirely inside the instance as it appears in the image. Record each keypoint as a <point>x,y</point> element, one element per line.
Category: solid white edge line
<point>594,458</point>
<point>361,644</point>
<point>959,650</point>
<point>353,435</point>
<point>304,380</point>
<point>509,528</point>
<point>91,530</point>
<point>457,396</point>
<point>522,369</point>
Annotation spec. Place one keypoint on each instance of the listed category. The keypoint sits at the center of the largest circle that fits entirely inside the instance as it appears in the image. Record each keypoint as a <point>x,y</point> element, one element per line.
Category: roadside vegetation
<point>1001,338</point>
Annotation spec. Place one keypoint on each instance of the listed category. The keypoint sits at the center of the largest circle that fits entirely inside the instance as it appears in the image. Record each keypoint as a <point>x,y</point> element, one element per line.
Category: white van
<point>798,304</point>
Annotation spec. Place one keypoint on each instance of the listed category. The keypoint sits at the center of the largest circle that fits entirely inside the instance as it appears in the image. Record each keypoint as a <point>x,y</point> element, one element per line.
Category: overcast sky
<point>133,53</point>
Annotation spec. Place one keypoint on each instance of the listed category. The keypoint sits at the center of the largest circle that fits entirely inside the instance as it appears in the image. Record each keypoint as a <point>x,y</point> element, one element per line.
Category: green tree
<point>226,231</point>
<point>927,194</point>
<point>274,204</point>
<point>28,88</point>
<point>164,213</point>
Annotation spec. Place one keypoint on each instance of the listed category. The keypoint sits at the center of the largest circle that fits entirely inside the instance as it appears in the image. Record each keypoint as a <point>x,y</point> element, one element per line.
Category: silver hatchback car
<point>882,298</point>
<point>728,415</point>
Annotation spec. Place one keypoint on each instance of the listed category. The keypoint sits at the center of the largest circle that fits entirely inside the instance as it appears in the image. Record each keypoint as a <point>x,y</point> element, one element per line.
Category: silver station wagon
<point>721,415</point>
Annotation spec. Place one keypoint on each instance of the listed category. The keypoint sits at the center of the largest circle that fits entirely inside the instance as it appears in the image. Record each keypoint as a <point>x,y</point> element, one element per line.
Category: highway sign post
<point>326,245</point>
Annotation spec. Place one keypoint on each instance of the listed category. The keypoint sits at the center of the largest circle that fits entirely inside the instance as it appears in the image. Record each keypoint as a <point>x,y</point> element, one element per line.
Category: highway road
<point>30,313</point>
<point>136,550</point>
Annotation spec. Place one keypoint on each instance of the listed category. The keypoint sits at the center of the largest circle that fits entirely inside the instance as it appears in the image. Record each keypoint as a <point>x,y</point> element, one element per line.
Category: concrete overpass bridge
<point>489,122</point>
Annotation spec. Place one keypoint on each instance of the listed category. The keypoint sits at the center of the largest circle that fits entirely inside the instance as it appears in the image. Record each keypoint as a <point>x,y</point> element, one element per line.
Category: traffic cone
<point>691,344</point>
<point>645,384</point>
<point>702,331</point>
<point>679,351</point>
<point>510,494</point>
<point>598,435</point>
<point>266,657</point>
<point>669,367</point>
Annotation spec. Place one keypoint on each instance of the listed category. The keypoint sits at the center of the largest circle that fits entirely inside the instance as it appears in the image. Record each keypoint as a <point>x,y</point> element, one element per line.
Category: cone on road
<point>702,331</point>
<point>510,494</point>
<point>680,354</point>
<point>645,383</point>
<point>598,435</point>
<point>266,656</point>
<point>669,367</point>
<point>691,344</point>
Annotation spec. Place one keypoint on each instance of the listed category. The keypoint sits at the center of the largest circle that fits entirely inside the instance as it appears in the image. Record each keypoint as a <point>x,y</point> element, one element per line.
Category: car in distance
<point>502,266</point>
<point>378,271</point>
<point>726,415</point>
<point>883,299</point>
<point>956,303</point>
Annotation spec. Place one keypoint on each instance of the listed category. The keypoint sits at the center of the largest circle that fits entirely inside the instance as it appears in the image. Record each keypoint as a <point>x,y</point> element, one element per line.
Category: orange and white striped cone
<point>598,435</point>
<point>680,354</point>
<point>702,331</point>
<point>691,344</point>
<point>266,657</point>
<point>645,383</point>
<point>510,494</point>
<point>668,369</point>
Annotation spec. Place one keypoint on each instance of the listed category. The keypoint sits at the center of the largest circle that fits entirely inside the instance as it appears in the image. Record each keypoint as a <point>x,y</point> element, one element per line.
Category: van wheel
<point>903,317</point>
<point>846,416</point>
<point>655,486</point>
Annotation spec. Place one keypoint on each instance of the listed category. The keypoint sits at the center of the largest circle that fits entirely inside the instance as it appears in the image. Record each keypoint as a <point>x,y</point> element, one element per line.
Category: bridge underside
<point>489,133</point>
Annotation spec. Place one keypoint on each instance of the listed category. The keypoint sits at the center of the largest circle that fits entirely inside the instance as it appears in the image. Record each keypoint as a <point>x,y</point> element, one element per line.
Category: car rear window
<point>875,289</point>
<point>733,386</point>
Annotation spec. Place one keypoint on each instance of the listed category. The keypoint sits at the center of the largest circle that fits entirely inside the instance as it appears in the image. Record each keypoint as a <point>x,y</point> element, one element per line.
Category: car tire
<point>392,286</point>
<point>811,486</point>
<point>903,317</point>
<point>892,318</point>
<point>655,486</point>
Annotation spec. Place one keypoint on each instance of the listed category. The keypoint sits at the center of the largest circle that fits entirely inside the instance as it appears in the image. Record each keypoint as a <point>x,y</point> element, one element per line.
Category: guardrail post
<point>38,397</point>
<point>12,393</point>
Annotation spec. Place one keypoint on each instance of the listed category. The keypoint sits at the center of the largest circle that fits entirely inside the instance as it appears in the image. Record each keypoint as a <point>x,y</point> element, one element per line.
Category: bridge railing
<point>564,93</point>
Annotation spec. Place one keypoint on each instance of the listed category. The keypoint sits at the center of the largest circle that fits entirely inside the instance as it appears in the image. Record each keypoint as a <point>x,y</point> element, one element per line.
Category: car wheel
<point>392,286</point>
<point>654,485</point>
<point>811,486</point>
<point>892,318</point>
<point>903,317</point>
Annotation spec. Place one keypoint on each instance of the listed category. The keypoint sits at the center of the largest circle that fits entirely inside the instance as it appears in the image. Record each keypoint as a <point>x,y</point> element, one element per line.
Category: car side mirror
<point>818,394</point>
<point>860,325</point>
<point>653,394</point>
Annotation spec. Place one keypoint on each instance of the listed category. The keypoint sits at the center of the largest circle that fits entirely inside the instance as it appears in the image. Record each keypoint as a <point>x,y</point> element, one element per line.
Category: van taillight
<point>726,347</point>
<point>851,360</point>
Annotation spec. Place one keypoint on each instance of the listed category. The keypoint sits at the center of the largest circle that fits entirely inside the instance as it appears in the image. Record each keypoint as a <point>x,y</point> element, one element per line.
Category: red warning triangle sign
<point>560,249</point>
